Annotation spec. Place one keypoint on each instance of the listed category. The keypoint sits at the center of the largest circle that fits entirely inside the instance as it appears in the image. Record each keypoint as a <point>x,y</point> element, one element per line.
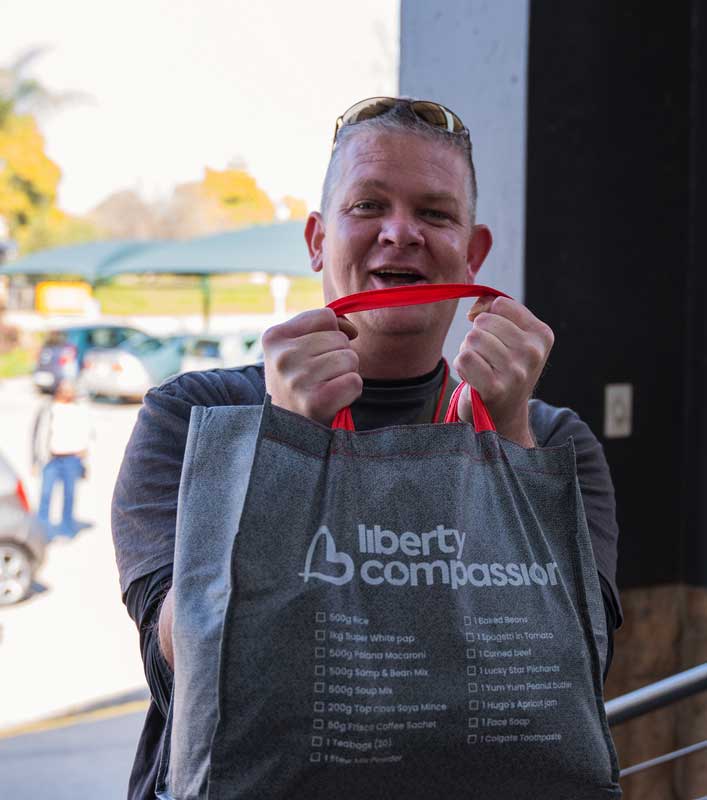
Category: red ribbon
<point>418,294</point>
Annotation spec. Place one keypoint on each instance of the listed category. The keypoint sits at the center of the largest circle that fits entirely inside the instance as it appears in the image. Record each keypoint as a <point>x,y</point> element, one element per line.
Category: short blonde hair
<point>398,119</point>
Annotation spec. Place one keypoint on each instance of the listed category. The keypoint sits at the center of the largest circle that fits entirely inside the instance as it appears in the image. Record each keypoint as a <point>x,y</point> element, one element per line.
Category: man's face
<point>398,215</point>
<point>65,392</point>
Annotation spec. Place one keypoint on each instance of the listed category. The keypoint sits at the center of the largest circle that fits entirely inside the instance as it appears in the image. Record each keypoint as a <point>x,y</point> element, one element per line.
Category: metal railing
<point>654,696</point>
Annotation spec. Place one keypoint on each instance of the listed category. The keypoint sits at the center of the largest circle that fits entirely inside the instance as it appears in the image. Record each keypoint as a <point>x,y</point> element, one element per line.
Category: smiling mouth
<point>398,277</point>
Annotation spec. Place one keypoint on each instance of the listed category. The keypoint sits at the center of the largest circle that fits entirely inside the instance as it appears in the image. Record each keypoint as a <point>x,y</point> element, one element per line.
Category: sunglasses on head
<point>433,114</point>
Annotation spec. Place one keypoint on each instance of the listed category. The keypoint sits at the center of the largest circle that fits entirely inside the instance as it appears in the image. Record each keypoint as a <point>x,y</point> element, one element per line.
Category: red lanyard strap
<point>415,295</point>
<point>397,296</point>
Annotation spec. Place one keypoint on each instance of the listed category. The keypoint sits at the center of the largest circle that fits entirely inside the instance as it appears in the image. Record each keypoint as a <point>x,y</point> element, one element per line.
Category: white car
<point>127,372</point>
<point>215,352</point>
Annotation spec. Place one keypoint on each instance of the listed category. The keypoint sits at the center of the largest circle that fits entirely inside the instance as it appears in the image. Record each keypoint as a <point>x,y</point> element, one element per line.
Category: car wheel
<point>15,573</point>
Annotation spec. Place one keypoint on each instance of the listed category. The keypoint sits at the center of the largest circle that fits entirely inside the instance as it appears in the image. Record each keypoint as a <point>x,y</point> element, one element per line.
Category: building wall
<point>471,55</point>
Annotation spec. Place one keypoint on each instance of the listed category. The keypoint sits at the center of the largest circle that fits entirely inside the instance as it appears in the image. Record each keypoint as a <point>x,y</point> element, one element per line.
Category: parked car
<point>229,350</point>
<point>64,351</point>
<point>127,371</point>
<point>22,538</point>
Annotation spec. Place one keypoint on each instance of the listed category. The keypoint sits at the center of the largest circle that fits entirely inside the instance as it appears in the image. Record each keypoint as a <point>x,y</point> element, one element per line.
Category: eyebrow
<point>426,197</point>
<point>440,197</point>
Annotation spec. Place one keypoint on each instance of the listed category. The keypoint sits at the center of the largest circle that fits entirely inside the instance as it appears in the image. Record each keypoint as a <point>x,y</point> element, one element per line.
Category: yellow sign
<point>62,297</point>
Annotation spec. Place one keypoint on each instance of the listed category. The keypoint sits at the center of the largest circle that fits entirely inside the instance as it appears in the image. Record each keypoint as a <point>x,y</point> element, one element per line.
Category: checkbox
<point>473,705</point>
<point>473,722</point>
<point>320,616</point>
<point>318,724</point>
<point>318,707</point>
<point>319,652</point>
<point>314,757</point>
<point>473,688</point>
<point>316,741</point>
<point>470,739</point>
<point>467,620</point>
<point>469,637</point>
<point>471,671</point>
<point>320,636</point>
<point>319,669</point>
<point>319,687</point>
<point>471,652</point>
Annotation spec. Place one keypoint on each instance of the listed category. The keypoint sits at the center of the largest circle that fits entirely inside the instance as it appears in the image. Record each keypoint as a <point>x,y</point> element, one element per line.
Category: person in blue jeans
<point>60,442</point>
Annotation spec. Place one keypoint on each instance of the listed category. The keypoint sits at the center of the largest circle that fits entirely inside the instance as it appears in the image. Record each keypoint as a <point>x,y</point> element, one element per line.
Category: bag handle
<point>397,296</point>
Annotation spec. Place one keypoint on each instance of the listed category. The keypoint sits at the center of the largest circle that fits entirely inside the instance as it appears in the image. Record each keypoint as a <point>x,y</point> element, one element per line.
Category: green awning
<point>275,249</point>
<point>86,261</point>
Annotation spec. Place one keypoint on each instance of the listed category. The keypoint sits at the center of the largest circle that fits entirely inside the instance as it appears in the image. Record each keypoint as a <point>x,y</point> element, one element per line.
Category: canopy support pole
<point>205,300</point>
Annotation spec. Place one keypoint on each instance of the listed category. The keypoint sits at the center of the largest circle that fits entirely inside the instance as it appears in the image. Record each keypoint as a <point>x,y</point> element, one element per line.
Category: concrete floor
<point>71,642</point>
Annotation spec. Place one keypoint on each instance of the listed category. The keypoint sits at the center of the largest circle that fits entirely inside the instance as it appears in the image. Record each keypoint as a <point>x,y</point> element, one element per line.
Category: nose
<point>400,230</point>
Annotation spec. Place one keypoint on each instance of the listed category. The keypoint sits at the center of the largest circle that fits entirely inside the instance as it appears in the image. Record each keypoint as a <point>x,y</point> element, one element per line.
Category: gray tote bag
<point>410,612</point>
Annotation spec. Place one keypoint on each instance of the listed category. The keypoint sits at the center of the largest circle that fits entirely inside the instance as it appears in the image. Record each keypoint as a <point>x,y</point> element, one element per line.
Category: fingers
<point>326,367</point>
<point>319,319</point>
<point>521,317</point>
<point>502,356</point>
<point>510,331</point>
<point>310,366</point>
<point>482,304</point>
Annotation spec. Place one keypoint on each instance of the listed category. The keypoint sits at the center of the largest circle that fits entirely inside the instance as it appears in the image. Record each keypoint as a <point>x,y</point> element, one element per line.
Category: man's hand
<point>502,357</point>
<point>310,366</point>
<point>164,628</point>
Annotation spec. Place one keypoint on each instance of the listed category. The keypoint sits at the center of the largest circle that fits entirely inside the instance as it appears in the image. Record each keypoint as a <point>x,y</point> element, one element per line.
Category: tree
<point>22,94</point>
<point>296,207</point>
<point>28,177</point>
<point>239,195</point>
<point>125,215</point>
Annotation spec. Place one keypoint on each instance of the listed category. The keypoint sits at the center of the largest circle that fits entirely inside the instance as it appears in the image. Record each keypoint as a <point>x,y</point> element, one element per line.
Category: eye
<point>366,205</point>
<point>435,214</point>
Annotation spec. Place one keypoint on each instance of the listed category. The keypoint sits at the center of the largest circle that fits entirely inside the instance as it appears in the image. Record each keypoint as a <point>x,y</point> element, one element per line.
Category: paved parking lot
<point>71,642</point>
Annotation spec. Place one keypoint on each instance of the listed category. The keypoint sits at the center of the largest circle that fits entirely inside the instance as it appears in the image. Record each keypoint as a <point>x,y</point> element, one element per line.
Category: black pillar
<point>616,253</point>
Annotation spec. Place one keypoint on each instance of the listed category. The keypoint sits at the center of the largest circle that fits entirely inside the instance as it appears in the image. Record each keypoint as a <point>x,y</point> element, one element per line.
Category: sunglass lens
<point>438,116</point>
<point>367,109</point>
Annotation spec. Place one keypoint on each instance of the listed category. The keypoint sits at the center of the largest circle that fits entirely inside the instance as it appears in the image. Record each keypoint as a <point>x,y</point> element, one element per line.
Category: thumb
<point>347,327</point>
<point>464,406</point>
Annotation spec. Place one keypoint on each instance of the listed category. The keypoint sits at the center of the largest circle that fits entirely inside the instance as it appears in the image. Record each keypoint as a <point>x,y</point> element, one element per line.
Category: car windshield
<point>60,338</point>
<point>140,344</point>
<point>204,348</point>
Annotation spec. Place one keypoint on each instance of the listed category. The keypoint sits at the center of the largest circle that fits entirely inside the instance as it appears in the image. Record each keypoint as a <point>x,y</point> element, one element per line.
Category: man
<point>60,442</point>
<point>398,208</point>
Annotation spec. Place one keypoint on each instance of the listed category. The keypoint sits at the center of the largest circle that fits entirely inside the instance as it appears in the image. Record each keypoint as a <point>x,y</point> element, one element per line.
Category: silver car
<point>22,538</point>
<point>128,370</point>
<point>215,352</point>
<point>62,354</point>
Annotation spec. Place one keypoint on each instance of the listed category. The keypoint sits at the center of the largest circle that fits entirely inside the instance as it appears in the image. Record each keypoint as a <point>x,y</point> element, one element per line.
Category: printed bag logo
<point>416,559</point>
<point>329,562</point>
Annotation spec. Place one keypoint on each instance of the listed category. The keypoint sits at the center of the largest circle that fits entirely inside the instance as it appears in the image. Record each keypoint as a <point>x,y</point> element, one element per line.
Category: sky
<point>178,85</point>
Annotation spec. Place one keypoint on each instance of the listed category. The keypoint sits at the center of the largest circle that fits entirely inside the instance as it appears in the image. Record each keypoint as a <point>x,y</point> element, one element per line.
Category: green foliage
<point>16,362</point>
<point>176,296</point>
<point>28,177</point>
<point>52,228</point>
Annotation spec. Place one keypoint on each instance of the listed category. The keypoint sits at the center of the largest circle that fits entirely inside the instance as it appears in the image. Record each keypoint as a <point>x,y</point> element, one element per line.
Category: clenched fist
<point>310,366</point>
<point>502,357</point>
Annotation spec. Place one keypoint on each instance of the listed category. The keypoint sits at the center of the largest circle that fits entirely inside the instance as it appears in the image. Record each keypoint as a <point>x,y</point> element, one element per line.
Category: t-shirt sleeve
<point>144,508</point>
<point>553,427</point>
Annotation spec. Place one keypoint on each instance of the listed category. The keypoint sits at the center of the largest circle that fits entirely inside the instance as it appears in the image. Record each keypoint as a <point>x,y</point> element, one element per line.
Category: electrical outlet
<point>618,410</point>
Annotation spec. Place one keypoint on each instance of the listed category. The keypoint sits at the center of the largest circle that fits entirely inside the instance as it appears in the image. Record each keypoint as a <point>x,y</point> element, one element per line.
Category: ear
<point>314,236</point>
<point>479,246</point>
